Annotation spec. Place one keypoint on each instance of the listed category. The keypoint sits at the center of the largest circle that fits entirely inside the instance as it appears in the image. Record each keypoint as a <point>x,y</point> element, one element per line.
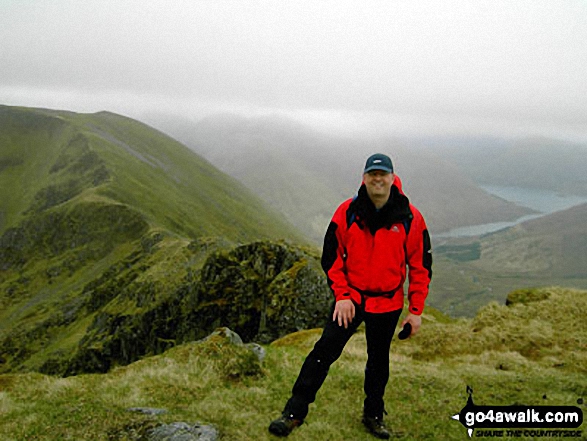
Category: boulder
<point>181,431</point>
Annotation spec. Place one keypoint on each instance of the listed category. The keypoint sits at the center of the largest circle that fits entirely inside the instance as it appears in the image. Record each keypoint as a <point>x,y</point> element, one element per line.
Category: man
<point>367,246</point>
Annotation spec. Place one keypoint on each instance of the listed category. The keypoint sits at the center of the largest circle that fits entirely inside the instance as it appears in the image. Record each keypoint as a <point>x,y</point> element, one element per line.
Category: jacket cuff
<point>350,294</point>
<point>416,310</point>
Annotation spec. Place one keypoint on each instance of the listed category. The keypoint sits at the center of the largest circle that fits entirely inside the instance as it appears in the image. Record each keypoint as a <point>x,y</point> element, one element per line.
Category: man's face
<point>378,184</point>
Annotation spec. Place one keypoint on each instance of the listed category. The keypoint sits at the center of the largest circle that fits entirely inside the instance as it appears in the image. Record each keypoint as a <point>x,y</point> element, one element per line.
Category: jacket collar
<point>363,211</point>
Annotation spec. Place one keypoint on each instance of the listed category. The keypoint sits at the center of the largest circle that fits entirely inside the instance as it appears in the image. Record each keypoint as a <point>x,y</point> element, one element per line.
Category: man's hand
<point>344,312</point>
<point>415,321</point>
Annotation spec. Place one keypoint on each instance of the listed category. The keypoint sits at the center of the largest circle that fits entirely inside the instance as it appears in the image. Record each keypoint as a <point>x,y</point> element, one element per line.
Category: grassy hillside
<point>305,174</point>
<point>105,222</point>
<point>49,157</point>
<point>470,272</point>
<point>516,354</point>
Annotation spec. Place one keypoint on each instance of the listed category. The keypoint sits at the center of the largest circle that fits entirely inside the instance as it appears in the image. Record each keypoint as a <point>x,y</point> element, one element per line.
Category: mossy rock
<point>233,360</point>
<point>263,291</point>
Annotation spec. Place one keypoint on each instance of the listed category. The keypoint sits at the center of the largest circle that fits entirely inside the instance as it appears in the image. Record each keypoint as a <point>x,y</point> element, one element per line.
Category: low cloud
<point>455,67</point>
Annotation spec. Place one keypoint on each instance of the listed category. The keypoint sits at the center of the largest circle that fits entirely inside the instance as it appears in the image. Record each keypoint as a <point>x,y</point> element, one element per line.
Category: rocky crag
<point>262,290</point>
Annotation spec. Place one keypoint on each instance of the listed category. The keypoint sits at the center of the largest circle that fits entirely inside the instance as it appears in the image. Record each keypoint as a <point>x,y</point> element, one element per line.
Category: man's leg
<point>315,368</point>
<point>379,330</point>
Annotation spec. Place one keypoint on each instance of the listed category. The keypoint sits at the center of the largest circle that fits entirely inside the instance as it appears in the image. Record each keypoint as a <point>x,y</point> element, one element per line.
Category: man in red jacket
<point>369,242</point>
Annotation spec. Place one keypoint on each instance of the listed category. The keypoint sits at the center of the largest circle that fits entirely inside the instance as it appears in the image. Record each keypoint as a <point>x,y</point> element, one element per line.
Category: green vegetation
<point>163,291</point>
<point>518,354</point>
<point>49,158</point>
<point>120,249</point>
<point>460,253</point>
<point>105,224</point>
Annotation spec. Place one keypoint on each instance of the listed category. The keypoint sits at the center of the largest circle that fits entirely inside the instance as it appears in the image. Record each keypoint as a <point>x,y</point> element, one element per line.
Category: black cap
<point>379,161</point>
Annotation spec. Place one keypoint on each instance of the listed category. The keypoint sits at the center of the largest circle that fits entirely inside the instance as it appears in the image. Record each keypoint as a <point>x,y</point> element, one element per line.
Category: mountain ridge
<point>107,139</point>
<point>112,230</point>
<point>107,225</point>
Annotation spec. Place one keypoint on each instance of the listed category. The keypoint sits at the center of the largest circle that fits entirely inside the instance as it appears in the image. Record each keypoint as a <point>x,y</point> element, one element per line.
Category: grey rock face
<point>258,350</point>
<point>226,334</point>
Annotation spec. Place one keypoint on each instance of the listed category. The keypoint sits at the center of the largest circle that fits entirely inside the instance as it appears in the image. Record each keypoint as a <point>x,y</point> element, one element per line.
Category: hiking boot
<point>283,425</point>
<point>376,426</point>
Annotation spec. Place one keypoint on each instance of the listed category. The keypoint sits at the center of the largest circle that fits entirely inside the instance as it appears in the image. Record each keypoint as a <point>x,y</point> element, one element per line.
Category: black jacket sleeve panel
<point>427,255</point>
<point>329,250</point>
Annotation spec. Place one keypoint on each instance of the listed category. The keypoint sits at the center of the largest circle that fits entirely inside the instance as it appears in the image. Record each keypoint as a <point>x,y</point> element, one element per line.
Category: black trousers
<point>379,330</point>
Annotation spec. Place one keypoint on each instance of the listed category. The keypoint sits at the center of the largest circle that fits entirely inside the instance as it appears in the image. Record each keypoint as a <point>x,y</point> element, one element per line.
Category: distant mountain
<point>550,250</point>
<point>117,241</point>
<point>306,174</point>
<point>283,163</point>
<point>538,163</point>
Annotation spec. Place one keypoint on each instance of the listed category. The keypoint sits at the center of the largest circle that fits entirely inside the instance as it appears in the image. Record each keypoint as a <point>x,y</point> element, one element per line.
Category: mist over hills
<point>305,174</point>
<point>538,163</point>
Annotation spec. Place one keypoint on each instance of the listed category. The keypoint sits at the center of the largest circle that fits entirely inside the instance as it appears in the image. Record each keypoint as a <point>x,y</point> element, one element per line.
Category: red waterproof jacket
<point>366,252</point>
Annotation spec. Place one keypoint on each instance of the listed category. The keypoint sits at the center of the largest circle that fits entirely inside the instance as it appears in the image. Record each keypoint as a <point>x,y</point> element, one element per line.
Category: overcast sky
<point>512,67</point>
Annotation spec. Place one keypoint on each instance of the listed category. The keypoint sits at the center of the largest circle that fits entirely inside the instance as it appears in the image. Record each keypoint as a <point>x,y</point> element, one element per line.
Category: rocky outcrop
<point>101,254</point>
<point>263,291</point>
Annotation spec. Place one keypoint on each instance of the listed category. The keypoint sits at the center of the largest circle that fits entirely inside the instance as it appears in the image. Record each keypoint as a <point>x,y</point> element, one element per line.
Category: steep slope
<point>106,225</point>
<point>548,250</point>
<point>305,174</point>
